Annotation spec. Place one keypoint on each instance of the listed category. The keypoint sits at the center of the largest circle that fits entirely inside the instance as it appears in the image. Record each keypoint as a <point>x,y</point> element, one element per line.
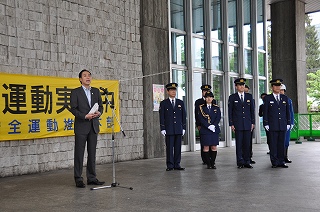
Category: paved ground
<point>195,189</point>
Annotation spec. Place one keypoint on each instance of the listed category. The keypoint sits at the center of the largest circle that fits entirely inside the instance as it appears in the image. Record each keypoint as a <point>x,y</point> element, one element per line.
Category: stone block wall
<point>60,38</point>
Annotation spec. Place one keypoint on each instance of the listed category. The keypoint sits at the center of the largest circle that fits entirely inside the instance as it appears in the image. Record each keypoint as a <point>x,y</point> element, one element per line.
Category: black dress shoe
<point>248,166</point>
<point>283,166</point>
<point>179,168</point>
<point>268,153</point>
<point>241,166</point>
<point>95,182</point>
<point>169,169</point>
<point>252,161</point>
<point>287,160</point>
<point>274,166</point>
<point>214,167</point>
<point>80,184</point>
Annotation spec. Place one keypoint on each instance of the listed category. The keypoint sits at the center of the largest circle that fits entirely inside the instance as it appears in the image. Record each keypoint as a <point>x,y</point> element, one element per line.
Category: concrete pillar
<point>155,61</point>
<point>288,49</point>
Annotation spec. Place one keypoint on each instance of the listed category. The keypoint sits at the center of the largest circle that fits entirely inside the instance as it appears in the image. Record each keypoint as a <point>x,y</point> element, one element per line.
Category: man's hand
<point>288,127</point>
<point>252,127</point>
<point>163,132</point>
<point>267,127</point>
<point>233,128</point>
<point>183,132</point>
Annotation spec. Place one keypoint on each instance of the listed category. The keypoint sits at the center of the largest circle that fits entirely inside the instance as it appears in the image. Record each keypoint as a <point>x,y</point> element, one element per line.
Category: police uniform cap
<point>171,85</point>
<point>205,87</point>
<point>208,94</point>
<point>276,82</point>
<point>246,86</point>
<point>240,81</point>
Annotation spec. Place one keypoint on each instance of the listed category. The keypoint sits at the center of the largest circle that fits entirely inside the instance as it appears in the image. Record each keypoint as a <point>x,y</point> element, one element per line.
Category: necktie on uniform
<point>209,108</point>
<point>241,97</point>
<point>278,99</point>
<point>172,102</point>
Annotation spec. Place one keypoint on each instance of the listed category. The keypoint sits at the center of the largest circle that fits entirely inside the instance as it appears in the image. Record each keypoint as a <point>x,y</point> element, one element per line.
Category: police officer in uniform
<point>276,120</point>
<point>241,121</point>
<point>283,89</point>
<point>209,117</point>
<point>173,125</point>
<point>198,102</point>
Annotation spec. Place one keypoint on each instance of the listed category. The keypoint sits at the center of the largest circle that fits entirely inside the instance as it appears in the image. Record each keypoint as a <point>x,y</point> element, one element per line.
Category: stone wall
<point>59,38</point>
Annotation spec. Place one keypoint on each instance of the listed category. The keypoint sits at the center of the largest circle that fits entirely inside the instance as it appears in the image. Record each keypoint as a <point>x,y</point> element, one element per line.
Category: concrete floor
<point>195,189</point>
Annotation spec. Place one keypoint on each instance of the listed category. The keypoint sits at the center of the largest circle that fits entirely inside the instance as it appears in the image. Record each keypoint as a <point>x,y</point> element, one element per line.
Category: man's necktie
<point>172,102</point>
<point>241,98</point>
<point>278,99</point>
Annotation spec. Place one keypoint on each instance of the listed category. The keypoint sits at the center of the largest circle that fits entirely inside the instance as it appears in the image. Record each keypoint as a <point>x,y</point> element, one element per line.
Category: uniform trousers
<point>243,138</point>
<point>173,151</point>
<point>277,147</point>
<point>80,144</point>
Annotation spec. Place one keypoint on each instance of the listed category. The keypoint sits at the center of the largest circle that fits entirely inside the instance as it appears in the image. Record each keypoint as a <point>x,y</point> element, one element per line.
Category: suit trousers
<point>173,150</point>
<point>243,139</point>
<point>277,147</point>
<point>80,143</point>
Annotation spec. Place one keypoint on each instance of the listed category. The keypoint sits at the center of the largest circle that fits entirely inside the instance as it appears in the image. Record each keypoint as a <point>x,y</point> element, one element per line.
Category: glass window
<point>178,49</point>
<point>260,25</point>
<point>218,92</point>
<point>197,17</point>
<point>233,59</point>
<point>177,14</point>
<point>248,61</point>
<point>232,86</point>
<point>216,19</point>
<point>261,63</point>
<point>216,56</point>
<point>247,23</point>
<point>179,76</point>
<point>262,89</point>
<point>262,86</point>
<point>198,52</point>
<point>232,21</point>
<point>199,79</point>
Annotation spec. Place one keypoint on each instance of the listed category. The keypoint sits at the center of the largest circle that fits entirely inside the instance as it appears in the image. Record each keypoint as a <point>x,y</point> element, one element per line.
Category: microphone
<point>105,90</point>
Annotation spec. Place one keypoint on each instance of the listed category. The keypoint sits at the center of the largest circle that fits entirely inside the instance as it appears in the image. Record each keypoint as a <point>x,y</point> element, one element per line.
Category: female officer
<point>209,116</point>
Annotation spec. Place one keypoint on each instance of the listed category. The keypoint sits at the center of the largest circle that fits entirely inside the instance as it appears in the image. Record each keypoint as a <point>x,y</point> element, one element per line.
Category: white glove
<point>288,127</point>
<point>291,126</point>
<point>212,128</point>
<point>266,127</point>
<point>163,132</point>
<point>183,132</point>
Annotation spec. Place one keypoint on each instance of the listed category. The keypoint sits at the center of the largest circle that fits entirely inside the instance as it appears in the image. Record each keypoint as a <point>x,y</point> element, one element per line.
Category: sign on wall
<point>158,96</point>
<point>39,107</point>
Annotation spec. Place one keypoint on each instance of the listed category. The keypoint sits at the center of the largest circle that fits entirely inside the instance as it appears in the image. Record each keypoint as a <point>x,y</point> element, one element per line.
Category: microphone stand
<point>114,182</point>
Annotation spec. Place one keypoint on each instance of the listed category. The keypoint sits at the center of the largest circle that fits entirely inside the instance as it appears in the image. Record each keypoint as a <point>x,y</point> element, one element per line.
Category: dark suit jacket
<point>241,114</point>
<point>173,120</point>
<point>197,103</point>
<point>277,116</point>
<point>215,116</point>
<point>80,108</point>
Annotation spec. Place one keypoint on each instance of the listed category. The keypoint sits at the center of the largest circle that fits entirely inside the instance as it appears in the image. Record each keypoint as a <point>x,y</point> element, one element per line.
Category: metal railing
<point>306,125</point>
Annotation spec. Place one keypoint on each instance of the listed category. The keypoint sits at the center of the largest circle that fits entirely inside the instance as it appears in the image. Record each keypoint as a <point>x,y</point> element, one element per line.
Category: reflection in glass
<point>198,52</point>
<point>216,56</point>
<point>261,64</point>
<point>218,92</point>
<point>178,49</point>
<point>247,61</point>
<point>260,25</point>
<point>247,23</point>
<point>197,17</point>
<point>179,76</point>
<point>232,21</point>
<point>233,59</point>
<point>216,19</point>
<point>262,89</point>
<point>177,14</point>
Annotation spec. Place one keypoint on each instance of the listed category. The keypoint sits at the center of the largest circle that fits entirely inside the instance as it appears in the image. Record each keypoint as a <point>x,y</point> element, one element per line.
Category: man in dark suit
<point>276,120</point>
<point>173,125</point>
<point>246,90</point>
<point>197,103</point>
<point>261,108</point>
<point>241,121</point>
<point>86,128</point>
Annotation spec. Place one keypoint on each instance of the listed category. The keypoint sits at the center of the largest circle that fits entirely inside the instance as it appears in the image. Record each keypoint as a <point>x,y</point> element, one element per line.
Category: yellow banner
<point>38,107</point>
